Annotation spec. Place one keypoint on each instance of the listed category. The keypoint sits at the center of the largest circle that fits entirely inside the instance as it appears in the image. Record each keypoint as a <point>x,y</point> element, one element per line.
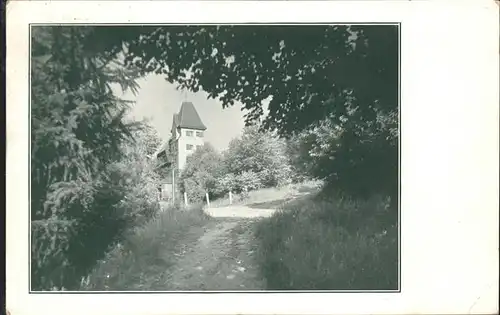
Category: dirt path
<point>223,258</point>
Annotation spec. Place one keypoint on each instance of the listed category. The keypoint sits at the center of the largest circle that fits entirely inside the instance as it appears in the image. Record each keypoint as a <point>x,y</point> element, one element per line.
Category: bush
<point>137,177</point>
<point>257,159</point>
<point>330,245</point>
<point>201,173</point>
<point>359,160</point>
<point>260,154</point>
<point>194,189</point>
<point>87,218</point>
<point>84,221</point>
<point>245,181</point>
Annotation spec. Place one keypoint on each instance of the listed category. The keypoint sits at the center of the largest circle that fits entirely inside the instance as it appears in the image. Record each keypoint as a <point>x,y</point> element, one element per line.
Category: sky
<point>157,101</point>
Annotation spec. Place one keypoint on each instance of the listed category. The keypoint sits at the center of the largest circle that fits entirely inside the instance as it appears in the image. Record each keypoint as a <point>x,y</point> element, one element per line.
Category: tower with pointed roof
<point>187,134</point>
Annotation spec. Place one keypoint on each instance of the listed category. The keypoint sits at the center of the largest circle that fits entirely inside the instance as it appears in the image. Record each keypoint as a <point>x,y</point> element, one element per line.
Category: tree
<point>347,75</point>
<point>77,132</point>
<point>148,139</point>
<point>261,154</point>
<point>299,148</point>
<point>202,170</point>
<point>309,72</point>
<point>363,167</point>
<point>138,176</point>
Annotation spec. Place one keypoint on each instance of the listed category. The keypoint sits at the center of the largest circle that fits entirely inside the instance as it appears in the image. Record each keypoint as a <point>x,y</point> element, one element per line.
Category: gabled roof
<point>188,117</point>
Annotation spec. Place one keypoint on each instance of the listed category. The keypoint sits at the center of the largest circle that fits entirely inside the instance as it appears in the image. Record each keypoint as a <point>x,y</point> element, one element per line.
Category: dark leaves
<point>301,67</point>
<point>77,132</point>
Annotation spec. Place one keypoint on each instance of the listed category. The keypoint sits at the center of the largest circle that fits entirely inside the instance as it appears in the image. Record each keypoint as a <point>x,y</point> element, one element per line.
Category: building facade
<point>187,135</point>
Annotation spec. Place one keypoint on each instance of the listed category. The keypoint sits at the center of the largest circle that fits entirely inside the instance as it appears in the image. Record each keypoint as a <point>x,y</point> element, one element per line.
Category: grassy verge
<point>143,259</point>
<point>330,245</point>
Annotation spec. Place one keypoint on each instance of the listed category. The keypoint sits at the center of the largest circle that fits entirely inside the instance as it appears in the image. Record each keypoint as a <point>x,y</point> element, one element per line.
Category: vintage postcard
<point>240,157</point>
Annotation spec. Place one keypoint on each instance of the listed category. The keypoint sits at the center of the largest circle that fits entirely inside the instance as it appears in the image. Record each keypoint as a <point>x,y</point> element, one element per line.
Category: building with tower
<point>187,135</point>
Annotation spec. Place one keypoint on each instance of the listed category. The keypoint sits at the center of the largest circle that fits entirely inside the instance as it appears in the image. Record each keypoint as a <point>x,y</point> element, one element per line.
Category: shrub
<point>87,218</point>
<point>226,183</point>
<point>83,221</point>
<point>194,189</point>
<point>137,176</point>
<point>358,160</point>
<point>248,180</point>
<point>330,245</point>
<point>245,181</point>
<point>201,173</point>
<point>260,153</point>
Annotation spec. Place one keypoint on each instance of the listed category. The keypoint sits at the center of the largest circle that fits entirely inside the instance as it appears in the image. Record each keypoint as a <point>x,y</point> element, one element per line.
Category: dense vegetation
<point>327,241</point>
<point>333,100</point>
<point>255,160</point>
<point>333,94</point>
<point>89,180</point>
<point>343,76</point>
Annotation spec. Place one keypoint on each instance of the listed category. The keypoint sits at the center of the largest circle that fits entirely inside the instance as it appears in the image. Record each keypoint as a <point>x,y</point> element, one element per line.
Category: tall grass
<point>331,244</point>
<point>142,260</point>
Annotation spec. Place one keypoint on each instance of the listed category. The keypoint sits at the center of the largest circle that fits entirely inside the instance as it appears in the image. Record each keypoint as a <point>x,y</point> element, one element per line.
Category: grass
<point>314,242</point>
<point>330,244</point>
<point>143,259</point>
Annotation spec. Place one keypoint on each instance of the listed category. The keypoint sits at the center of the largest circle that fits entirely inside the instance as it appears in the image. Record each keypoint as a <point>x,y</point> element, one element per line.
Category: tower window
<point>199,134</point>
<point>189,146</point>
<point>189,133</point>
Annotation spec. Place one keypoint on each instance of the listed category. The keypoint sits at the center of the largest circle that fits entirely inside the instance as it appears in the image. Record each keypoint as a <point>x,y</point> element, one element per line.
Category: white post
<point>185,198</point>
<point>230,198</point>
<point>208,200</point>
<point>173,187</point>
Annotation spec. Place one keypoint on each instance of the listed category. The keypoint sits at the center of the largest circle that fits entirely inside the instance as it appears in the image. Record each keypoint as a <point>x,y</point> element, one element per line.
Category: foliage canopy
<point>308,72</point>
<point>344,76</point>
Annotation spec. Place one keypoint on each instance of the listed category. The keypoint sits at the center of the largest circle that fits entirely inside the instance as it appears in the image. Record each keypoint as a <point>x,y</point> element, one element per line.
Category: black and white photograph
<point>252,157</point>
<point>214,157</point>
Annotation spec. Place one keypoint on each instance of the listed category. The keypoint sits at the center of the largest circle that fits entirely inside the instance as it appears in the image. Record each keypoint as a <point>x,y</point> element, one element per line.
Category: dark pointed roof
<point>188,117</point>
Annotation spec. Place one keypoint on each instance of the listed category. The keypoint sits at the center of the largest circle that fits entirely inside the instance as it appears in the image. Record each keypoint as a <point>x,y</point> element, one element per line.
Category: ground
<point>222,258</point>
<point>184,250</point>
<point>221,255</point>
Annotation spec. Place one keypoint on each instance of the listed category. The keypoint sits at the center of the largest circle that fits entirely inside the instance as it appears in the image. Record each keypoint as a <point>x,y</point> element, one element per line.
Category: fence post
<point>173,186</point>
<point>208,200</point>
<point>230,198</point>
<point>185,198</point>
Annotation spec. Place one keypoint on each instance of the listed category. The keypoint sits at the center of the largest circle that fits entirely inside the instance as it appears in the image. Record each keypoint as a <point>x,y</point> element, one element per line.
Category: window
<point>189,146</point>
<point>189,133</point>
<point>198,147</point>
<point>199,134</point>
